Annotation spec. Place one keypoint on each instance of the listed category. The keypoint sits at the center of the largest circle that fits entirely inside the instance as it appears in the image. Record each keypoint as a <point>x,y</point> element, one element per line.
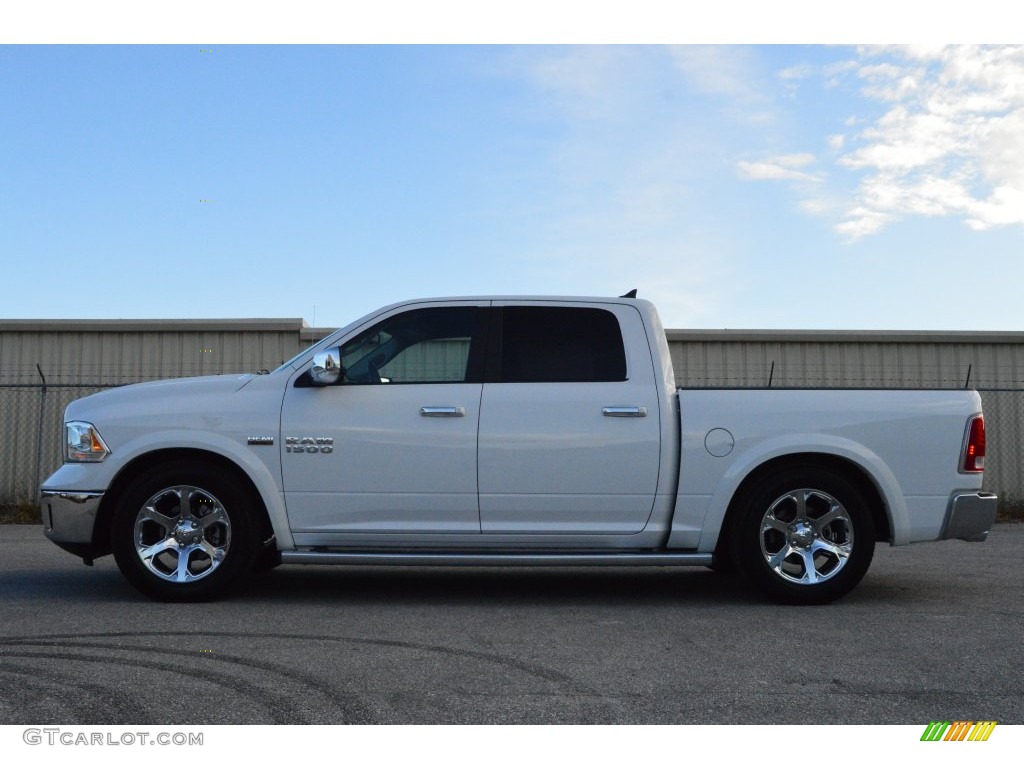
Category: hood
<point>167,395</point>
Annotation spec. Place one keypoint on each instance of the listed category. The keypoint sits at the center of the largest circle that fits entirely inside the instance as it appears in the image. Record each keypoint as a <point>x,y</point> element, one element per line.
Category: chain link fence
<point>1004,455</point>
<point>31,428</point>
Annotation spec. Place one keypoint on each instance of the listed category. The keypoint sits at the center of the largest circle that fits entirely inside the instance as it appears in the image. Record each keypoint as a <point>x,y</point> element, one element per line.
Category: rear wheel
<point>184,531</point>
<point>804,535</point>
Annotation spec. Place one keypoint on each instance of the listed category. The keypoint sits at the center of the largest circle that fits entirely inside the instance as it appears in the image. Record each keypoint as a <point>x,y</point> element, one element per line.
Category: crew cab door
<point>400,430</point>
<point>570,437</point>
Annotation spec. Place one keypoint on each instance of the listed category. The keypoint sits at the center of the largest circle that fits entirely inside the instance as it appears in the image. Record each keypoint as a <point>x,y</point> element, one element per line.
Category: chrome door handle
<point>442,410</point>
<point>624,410</point>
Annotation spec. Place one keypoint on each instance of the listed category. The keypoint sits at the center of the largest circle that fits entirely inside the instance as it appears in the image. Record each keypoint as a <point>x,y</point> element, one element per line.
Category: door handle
<point>442,410</point>
<point>624,410</point>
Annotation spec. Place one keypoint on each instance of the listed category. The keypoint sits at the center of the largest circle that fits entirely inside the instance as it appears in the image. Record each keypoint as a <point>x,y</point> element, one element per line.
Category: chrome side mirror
<point>326,368</point>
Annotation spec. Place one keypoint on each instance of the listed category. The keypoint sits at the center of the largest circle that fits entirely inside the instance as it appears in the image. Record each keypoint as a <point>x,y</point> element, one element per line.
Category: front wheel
<point>184,531</point>
<point>804,535</point>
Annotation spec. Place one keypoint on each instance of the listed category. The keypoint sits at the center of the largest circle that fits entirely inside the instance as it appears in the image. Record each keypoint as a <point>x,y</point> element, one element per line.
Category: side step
<point>535,559</point>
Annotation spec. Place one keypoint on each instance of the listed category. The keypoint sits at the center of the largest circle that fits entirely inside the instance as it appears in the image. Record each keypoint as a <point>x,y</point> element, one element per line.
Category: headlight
<point>83,442</point>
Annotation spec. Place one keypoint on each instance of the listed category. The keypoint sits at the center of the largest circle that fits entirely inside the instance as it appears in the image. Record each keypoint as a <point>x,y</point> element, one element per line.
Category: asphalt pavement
<point>932,633</point>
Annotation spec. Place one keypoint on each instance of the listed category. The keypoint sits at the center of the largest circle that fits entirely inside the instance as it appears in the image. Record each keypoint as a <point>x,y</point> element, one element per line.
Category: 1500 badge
<point>309,445</point>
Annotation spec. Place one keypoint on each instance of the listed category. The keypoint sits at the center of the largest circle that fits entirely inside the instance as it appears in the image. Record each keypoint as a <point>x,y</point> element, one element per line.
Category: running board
<point>323,557</point>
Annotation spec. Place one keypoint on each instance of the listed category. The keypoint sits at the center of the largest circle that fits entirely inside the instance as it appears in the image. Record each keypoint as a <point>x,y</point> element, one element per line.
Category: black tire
<point>193,554</point>
<point>804,535</point>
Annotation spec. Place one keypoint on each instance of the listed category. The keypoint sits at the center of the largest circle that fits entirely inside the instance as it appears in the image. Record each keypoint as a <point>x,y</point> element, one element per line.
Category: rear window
<point>546,344</point>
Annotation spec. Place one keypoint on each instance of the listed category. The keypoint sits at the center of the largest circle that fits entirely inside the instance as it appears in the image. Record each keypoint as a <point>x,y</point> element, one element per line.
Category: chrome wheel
<point>793,532</point>
<point>182,534</point>
<point>806,536</point>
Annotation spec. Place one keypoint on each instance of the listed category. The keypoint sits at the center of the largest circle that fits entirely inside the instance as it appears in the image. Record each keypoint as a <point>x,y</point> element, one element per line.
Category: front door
<point>391,449</point>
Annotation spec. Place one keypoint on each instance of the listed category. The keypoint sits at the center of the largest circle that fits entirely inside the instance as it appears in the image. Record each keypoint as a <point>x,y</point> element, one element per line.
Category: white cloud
<point>950,144</point>
<point>949,140</point>
<point>904,140</point>
<point>861,222</point>
<point>731,73</point>
<point>780,167</point>
<point>815,206</point>
<point>799,72</point>
<point>720,70</point>
<point>586,82</point>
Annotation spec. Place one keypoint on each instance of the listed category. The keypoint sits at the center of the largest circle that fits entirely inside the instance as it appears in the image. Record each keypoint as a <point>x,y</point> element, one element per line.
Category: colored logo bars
<point>959,730</point>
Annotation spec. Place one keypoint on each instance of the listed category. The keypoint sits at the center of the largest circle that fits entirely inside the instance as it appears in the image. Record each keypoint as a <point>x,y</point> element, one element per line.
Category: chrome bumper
<point>970,516</point>
<point>69,516</point>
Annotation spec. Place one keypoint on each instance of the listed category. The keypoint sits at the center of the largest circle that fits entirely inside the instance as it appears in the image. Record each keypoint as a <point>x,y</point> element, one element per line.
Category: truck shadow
<point>508,586</point>
<point>365,586</point>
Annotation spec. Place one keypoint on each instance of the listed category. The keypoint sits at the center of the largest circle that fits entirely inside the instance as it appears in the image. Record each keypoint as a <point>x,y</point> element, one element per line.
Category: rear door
<point>570,439</point>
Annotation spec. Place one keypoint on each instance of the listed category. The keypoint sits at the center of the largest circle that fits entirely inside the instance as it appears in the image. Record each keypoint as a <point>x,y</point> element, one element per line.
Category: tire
<point>184,532</point>
<point>804,535</point>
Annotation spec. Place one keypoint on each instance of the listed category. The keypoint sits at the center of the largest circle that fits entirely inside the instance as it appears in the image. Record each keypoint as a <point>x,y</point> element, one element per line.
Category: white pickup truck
<point>509,431</point>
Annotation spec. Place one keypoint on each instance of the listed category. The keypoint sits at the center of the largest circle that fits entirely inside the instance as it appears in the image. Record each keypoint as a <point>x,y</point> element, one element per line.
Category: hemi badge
<point>260,440</point>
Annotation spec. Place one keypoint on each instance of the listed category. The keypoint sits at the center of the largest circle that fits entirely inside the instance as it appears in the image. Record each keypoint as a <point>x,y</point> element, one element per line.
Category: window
<point>416,347</point>
<point>561,344</point>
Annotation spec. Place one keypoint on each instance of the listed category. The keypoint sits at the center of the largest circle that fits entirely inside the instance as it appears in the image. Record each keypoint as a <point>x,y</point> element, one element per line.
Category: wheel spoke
<point>216,515</point>
<point>772,523</point>
<point>182,573</point>
<point>147,553</point>
<point>150,513</point>
<point>800,497</point>
<point>837,512</point>
<point>811,575</point>
<point>841,551</point>
<point>775,561</point>
<point>216,553</point>
<point>184,500</point>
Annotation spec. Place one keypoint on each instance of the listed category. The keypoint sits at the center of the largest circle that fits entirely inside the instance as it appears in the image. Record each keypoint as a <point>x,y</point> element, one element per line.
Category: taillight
<point>973,459</point>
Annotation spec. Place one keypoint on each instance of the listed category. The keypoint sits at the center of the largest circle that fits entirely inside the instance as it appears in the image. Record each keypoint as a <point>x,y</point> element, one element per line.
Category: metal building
<point>111,352</point>
<point>44,364</point>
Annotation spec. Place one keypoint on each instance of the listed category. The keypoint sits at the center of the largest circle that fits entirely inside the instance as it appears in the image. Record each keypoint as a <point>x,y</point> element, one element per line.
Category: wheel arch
<point>850,470</point>
<point>102,544</point>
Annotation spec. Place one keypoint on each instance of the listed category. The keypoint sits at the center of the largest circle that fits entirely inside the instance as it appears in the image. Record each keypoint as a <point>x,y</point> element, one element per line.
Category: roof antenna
<point>630,295</point>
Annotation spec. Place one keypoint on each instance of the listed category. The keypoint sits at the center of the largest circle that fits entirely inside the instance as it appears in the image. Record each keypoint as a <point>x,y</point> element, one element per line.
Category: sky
<point>736,186</point>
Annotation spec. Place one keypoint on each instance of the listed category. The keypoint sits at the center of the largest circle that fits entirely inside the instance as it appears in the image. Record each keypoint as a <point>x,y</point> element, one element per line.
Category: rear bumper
<point>970,516</point>
<point>69,518</point>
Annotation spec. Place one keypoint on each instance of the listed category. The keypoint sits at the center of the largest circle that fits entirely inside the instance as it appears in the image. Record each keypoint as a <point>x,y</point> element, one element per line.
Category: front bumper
<point>69,518</point>
<point>970,516</point>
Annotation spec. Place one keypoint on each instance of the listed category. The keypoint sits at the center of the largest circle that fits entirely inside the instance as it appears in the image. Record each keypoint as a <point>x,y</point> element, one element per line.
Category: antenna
<point>630,295</point>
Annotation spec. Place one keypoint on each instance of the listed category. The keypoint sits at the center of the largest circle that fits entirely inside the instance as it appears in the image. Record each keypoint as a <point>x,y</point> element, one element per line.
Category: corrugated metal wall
<point>76,357</point>
<point>116,352</point>
<point>846,359</point>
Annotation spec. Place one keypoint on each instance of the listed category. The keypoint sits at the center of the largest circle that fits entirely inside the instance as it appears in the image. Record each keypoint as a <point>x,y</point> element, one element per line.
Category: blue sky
<point>739,186</point>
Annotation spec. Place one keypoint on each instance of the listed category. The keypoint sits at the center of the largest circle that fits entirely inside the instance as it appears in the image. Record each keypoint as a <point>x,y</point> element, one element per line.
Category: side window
<point>561,344</point>
<point>420,346</point>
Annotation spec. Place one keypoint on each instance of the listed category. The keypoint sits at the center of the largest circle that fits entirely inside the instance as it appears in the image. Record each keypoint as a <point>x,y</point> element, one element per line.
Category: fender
<point>240,455</point>
<point>699,525</point>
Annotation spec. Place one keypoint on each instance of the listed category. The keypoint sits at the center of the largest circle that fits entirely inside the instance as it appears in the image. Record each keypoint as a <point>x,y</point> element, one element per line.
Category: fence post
<point>39,429</point>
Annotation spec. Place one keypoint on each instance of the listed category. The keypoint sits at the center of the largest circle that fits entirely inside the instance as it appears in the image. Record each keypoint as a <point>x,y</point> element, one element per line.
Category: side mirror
<point>326,368</point>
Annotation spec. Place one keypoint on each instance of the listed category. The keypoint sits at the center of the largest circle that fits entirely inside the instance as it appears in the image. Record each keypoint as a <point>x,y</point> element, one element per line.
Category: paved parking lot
<point>934,632</point>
